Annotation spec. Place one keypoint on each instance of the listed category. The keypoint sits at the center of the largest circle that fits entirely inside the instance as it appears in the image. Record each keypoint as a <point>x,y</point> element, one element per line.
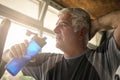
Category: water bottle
<point>15,65</point>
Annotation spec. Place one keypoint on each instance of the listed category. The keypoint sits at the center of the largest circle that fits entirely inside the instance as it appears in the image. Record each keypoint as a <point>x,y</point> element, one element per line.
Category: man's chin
<point>57,45</point>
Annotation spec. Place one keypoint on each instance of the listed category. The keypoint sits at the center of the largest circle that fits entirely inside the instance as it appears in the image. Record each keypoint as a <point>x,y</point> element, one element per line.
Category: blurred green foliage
<point>19,76</point>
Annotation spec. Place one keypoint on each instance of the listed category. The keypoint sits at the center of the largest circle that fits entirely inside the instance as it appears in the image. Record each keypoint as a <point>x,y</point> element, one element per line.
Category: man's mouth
<point>58,38</point>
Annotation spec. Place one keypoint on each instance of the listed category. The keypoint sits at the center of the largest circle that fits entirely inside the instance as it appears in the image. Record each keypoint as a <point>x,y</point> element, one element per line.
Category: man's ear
<point>84,31</point>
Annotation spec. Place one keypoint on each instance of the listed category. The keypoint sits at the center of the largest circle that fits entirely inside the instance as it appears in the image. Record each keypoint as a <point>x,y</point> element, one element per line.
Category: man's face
<point>65,35</point>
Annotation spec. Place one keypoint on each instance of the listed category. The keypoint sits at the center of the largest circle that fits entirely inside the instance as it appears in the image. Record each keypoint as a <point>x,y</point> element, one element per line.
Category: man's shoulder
<point>51,55</point>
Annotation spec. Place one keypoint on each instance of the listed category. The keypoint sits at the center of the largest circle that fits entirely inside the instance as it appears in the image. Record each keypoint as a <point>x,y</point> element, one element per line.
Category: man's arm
<point>112,19</point>
<point>109,21</point>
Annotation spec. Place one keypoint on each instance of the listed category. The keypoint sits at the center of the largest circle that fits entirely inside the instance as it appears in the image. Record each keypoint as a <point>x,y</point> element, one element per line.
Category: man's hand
<point>15,51</point>
<point>95,27</point>
<point>19,50</point>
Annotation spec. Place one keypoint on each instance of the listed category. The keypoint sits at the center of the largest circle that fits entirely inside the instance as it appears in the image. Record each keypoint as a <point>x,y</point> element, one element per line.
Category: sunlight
<point>15,35</point>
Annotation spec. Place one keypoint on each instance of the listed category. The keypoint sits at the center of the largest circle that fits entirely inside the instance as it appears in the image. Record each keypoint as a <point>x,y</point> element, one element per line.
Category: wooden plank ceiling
<point>96,8</point>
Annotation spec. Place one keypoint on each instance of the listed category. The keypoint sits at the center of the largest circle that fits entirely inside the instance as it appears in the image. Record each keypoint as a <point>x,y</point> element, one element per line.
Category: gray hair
<point>80,19</point>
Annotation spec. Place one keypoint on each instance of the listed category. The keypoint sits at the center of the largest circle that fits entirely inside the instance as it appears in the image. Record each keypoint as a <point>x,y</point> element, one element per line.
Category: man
<point>78,62</point>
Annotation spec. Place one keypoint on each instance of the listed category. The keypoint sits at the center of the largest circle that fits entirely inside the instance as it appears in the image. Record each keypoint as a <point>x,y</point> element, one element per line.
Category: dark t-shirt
<point>64,69</point>
<point>99,64</point>
<point>78,69</point>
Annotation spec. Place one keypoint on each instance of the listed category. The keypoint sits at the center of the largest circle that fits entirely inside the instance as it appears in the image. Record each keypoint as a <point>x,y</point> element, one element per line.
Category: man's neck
<point>72,55</point>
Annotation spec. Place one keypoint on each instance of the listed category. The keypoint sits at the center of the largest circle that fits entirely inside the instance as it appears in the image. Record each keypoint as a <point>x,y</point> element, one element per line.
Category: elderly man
<point>78,62</point>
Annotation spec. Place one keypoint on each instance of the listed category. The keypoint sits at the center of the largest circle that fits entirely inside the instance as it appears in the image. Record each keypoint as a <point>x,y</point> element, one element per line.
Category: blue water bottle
<point>15,65</point>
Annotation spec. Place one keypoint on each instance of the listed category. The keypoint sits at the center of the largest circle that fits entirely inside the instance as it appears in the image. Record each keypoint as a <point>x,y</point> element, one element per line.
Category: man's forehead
<point>65,16</point>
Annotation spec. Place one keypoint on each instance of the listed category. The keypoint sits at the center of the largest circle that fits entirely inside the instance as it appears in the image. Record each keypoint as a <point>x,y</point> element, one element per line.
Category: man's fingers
<point>26,42</point>
<point>18,50</point>
<point>13,51</point>
<point>23,48</point>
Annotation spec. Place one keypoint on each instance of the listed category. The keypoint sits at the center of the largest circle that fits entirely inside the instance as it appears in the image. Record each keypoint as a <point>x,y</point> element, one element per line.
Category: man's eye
<point>63,24</point>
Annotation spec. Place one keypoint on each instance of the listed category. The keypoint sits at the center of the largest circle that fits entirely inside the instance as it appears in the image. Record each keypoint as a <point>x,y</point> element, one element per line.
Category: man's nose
<point>56,29</point>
